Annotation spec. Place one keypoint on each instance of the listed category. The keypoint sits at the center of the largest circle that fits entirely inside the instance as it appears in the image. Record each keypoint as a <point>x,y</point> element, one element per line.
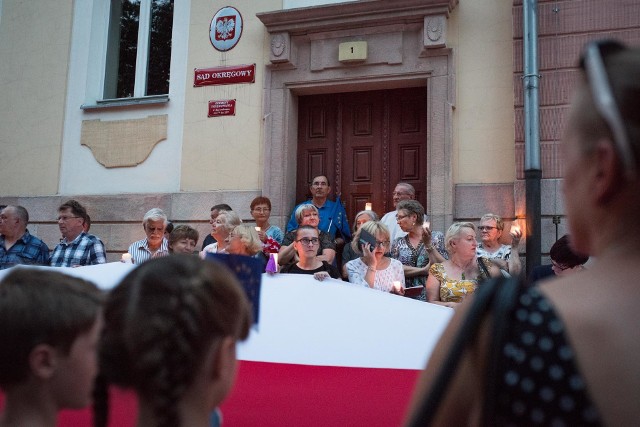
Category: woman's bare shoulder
<point>599,308</point>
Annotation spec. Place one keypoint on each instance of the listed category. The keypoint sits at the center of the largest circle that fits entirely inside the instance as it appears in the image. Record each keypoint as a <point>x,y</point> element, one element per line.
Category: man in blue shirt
<point>17,245</point>
<point>333,217</point>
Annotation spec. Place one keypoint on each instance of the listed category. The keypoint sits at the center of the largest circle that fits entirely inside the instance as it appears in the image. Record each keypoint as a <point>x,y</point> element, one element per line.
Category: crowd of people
<point>168,330</point>
<point>317,240</point>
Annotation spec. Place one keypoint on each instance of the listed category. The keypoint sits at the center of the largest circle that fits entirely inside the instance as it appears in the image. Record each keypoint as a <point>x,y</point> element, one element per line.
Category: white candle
<point>126,258</point>
<point>515,228</point>
<point>397,286</point>
<point>257,228</point>
<point>367,206</point>
<point>427,224</point>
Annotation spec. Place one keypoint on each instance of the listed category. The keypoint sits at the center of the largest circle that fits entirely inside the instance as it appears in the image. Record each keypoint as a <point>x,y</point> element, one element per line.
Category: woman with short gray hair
<point>225,222</point>
<point>307,214</point>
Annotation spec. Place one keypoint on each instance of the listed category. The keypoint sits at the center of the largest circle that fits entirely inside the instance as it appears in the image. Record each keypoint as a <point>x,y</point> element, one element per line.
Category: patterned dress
<point>403,251</point>
<point>454,290</point>
<point>538,379</point>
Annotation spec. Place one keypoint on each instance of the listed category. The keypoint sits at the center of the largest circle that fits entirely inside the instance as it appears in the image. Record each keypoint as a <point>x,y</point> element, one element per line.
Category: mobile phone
<point>413,291</point>
<point>366,237</point>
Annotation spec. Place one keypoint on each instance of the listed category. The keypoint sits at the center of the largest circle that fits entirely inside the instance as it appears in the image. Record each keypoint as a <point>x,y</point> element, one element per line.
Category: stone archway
<point>406,47</point>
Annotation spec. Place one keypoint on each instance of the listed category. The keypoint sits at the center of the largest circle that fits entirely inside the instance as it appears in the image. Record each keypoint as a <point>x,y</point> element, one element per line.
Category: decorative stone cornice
<point>358,14</point>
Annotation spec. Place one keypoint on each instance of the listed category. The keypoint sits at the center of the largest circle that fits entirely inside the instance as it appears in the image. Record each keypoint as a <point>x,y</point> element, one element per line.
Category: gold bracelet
<point>371,269</point>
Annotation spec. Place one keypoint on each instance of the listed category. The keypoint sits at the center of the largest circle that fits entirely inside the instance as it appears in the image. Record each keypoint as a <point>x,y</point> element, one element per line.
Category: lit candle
<point>367,206</point>
<point>126,258</point>
<point>397,287</point>
<point>427,225</point>
<point>515,228</point>
<point>257,228</point>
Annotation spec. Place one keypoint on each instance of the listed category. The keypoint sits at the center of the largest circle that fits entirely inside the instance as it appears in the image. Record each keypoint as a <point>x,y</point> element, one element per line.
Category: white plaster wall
<point>484,117</point>
<point>80,172</point>
<point>225,152</point>
<point>34,51</point>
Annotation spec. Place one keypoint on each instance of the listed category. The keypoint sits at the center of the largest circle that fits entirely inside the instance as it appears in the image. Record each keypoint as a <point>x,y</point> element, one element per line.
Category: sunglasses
<point>593,63</point>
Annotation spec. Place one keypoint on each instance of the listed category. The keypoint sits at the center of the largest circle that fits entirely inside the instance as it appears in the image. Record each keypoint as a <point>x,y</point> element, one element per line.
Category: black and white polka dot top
<point>538,380</point>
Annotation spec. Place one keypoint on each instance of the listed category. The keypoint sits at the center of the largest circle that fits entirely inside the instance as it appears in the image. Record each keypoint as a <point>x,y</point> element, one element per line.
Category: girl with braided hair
<point>170,334</point>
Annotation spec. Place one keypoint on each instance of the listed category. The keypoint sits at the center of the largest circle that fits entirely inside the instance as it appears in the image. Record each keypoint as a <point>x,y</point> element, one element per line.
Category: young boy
<point>49,330</point>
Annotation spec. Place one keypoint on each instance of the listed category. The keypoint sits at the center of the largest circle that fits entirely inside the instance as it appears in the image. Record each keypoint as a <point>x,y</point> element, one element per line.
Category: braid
<point>172,354</point>
<point>159,324</point>
<point>101,402</point>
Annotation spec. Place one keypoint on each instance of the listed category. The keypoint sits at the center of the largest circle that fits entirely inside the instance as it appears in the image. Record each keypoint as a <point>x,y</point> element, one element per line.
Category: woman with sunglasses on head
<point>568,352</point>
<point>307,240</point>
<point>373,268</point>
<point>419,248</point>
<point>506,257</point>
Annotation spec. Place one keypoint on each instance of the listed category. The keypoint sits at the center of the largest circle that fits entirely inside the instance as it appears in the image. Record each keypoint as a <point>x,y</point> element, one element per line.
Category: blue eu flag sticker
<point>248,271</point>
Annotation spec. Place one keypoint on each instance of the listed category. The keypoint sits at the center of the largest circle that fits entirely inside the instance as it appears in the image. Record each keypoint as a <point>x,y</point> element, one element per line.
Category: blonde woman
<point>221,227</point>
<point>449,282</point>
<point>373,268</point>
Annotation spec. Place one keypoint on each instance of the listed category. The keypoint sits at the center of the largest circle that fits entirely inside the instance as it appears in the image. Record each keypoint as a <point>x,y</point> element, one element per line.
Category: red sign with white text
<point>226,107</point>
<point>224,75</point>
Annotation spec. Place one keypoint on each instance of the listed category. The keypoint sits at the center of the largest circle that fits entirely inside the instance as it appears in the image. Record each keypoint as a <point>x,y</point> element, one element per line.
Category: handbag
<point>497,295</point>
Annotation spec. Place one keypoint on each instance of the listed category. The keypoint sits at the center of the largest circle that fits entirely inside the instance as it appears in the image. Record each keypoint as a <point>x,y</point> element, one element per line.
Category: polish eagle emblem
<point>225,28</point>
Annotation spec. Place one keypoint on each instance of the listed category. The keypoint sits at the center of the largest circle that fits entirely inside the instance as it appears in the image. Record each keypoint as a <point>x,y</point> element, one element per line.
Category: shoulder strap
<point>486,296</point>
<point>483,267</point>
<point>481,303</point>
<point>504,301</point>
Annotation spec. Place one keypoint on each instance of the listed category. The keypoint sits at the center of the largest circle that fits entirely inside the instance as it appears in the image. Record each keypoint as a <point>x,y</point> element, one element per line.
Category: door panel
<point>365,142</point>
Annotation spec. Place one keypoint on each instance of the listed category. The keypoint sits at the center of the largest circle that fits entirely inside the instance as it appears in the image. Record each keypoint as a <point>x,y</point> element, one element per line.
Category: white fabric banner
<point>329,323</point>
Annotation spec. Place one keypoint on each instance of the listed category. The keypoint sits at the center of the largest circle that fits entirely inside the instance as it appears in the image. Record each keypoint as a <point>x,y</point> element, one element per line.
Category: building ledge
<point>359,14</point>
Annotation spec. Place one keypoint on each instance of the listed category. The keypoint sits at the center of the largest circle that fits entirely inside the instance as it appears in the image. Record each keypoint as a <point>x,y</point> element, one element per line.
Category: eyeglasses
<point>261,209</point>
<point>400,217</point>
<point>559,266</point>
<point>400,193</point>
<point>592,62</point>
<point>66,218</point>
<point>486,228</point>
<point>320,184</point>
<point>313,241</point>
<point>384,244</point>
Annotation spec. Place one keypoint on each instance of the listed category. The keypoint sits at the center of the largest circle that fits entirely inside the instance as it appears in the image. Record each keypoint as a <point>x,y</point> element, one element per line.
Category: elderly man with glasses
<point>403,191</point>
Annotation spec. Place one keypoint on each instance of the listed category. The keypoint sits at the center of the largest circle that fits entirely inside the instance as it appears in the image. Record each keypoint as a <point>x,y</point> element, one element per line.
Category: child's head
<point>49,332</point>
<point>170,323</point>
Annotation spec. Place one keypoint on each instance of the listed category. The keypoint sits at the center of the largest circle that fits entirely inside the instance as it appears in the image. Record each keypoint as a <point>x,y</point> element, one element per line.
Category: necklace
<point>462,269</point>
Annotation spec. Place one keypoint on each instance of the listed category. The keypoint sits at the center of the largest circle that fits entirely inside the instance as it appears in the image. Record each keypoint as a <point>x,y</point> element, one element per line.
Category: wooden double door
<point>365,143</point>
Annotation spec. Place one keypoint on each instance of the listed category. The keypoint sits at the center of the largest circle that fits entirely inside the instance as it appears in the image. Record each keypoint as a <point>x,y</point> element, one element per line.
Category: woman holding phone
<point>373,268</point>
